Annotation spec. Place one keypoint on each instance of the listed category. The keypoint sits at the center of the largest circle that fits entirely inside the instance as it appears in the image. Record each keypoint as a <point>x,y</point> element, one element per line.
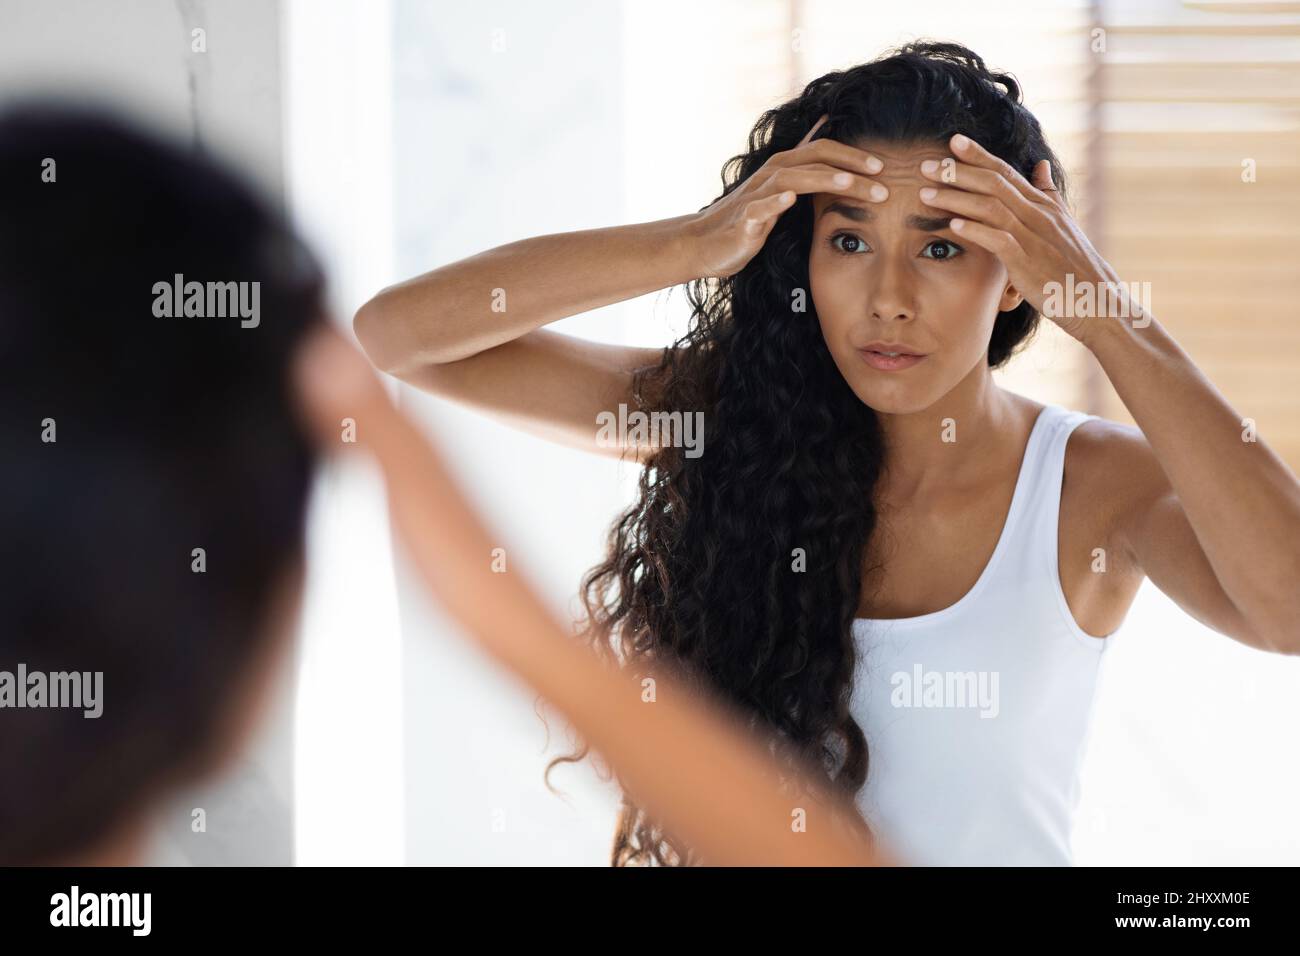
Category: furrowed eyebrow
<point>856,213</point>
<point>863,214</point>
<point>929,223</point>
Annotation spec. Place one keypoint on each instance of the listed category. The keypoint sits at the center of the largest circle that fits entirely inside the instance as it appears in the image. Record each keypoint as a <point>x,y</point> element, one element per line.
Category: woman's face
<point>894,273</point>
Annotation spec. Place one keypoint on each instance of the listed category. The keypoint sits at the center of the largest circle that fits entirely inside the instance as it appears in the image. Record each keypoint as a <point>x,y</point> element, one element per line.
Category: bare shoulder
<point>1115,460</point>
<point>1111,474</point>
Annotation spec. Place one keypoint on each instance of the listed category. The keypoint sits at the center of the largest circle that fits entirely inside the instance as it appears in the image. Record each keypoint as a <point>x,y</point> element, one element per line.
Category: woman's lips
<point>885,363</point>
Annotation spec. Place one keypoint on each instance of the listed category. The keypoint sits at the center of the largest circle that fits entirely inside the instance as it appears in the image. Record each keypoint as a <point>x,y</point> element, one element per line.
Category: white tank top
<point>977,716</point>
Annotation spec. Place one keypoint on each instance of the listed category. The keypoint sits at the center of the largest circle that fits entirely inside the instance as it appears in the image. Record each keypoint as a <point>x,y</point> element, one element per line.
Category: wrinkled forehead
<point>902,173</point>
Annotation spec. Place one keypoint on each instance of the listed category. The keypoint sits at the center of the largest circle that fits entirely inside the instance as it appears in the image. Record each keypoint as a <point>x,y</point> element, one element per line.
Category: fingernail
<point>874,165</point>
<point>930,166</point>
<point>879,193</point>
<point>842,179</point>
<point>956,224</point>
<point>929,193</point>
<point>960,142</point>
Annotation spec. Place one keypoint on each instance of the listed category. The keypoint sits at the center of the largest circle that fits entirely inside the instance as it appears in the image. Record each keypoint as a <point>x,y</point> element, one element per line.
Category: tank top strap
<point>1038,528</point>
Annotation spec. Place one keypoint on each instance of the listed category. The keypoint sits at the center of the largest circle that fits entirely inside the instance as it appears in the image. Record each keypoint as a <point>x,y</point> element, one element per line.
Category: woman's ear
<point>1010,299</point>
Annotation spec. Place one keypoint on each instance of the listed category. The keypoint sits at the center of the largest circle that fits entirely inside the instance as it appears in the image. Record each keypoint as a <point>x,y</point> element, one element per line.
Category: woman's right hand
<point>726,235</point>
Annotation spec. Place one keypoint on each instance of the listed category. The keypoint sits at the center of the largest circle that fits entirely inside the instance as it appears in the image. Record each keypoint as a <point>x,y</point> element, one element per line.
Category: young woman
<point>880,555</point>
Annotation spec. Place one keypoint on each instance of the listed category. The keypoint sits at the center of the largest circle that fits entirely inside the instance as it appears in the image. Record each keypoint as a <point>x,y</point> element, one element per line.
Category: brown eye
<point>847,243</point>
<point>943,248</point>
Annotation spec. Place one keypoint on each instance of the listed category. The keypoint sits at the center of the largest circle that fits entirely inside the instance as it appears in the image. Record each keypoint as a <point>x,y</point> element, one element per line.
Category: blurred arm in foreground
<point>690,763</point>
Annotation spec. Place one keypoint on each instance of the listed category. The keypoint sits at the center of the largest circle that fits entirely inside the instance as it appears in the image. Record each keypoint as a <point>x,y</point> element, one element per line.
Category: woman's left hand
<point>1027,226</point>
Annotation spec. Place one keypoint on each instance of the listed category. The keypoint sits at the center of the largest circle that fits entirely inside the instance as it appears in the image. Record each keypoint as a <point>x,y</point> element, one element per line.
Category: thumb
<point>815,127</point>
<point>1042,179</point>
<point>1043,176</point>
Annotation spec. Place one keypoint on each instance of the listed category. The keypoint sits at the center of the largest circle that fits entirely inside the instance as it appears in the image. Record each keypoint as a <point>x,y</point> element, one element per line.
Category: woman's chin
<point>896,399</point>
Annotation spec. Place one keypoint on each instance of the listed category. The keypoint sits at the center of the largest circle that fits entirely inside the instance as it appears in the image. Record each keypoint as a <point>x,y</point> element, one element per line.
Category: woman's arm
<point>1202,498</point>
<point>687,761</point>
<point>473,331</point>
<point>494,297</point>
<point>1211,517</point>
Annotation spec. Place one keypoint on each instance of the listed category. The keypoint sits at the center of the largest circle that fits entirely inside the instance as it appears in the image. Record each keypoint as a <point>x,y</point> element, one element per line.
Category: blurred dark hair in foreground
<point>170,434</point>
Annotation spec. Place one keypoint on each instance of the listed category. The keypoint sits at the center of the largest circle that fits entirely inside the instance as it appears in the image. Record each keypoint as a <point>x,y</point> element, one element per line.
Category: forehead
<point>901,175</point>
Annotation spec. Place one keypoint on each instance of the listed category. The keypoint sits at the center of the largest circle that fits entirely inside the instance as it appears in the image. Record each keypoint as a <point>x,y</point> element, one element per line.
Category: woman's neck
<point>953,441</point>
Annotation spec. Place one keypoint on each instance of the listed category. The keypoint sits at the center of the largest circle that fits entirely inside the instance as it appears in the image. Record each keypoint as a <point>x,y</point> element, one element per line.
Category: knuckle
<point>1044,217</point>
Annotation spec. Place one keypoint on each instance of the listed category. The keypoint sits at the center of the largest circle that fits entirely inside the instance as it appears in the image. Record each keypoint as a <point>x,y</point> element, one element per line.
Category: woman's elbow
<point>374,334</point>
<point>396,346</point>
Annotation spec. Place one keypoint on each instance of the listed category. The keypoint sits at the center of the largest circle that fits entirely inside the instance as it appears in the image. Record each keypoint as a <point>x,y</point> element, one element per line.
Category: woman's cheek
<point>832,294</point>
<point>967,298</point>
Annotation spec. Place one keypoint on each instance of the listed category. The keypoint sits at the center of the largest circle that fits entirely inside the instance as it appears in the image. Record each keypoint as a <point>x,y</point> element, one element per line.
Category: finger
<point>815,127</point>
<point>1033,212</point>
<point>997,241</point>
<point>972,153</point>
<point>970,205</point>
<point>1042,180</point>
<point>761,214</point>
<point>823,178</point>
<point>828,151</point>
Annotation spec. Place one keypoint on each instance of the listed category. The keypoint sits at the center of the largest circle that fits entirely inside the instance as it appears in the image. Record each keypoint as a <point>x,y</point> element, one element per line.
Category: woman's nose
<point>891,294</point>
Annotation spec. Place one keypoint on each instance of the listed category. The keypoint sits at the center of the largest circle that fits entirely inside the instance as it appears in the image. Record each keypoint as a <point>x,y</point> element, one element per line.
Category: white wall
<point>508,123</point>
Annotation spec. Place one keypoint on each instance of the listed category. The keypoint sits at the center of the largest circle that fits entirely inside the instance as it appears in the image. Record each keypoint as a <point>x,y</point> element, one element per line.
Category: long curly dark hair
<point>744,565</point>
